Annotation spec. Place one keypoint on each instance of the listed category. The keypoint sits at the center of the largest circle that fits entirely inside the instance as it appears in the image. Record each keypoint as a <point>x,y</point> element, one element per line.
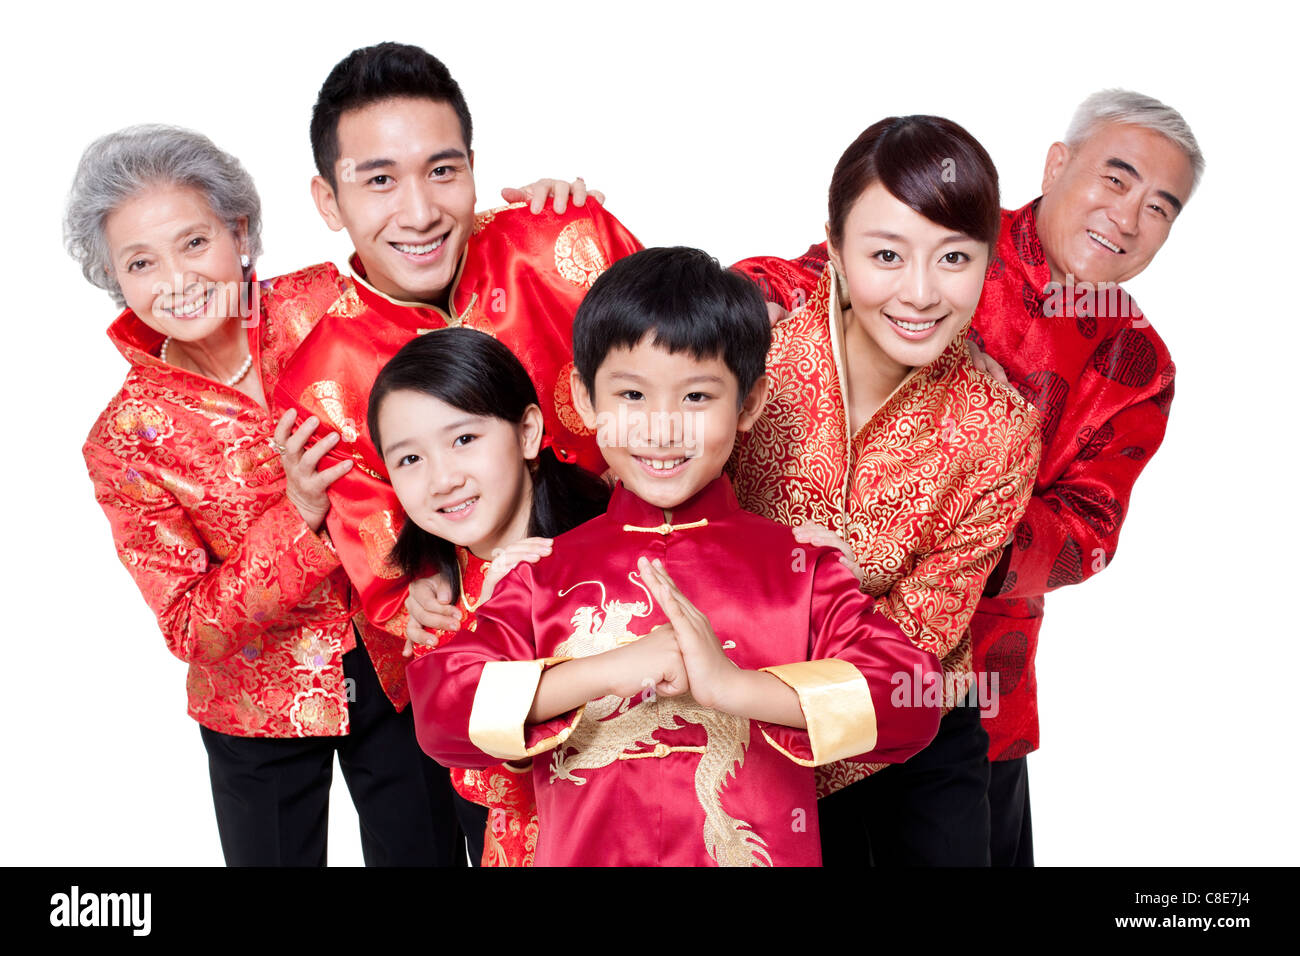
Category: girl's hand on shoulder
<point>504,560</point>
<point>823,537</point>
<point>304,485</point>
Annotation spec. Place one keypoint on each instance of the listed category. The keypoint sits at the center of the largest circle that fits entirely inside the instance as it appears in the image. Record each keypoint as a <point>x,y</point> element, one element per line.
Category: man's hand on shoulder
<point>558,190</point>
<point>428,604</point>
<point>987,363</point>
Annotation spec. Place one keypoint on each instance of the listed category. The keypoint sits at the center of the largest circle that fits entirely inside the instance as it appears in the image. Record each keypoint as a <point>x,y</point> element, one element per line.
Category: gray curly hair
<point>117,166</point>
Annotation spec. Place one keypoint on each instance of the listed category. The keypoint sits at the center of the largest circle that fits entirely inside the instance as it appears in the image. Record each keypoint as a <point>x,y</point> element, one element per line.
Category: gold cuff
<point>836,704</point>
<point>501,704</point>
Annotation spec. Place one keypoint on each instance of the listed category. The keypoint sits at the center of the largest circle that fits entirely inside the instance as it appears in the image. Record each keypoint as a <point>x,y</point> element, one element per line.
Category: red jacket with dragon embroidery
<point>664,781</point>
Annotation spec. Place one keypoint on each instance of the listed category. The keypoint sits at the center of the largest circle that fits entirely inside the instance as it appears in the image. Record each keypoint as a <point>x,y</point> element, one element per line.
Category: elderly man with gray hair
<point>1075,345</point>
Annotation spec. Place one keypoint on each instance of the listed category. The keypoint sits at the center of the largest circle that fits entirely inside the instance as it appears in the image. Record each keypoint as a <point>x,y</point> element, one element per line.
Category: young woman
<point>882,438</point>
<point>457,423</point>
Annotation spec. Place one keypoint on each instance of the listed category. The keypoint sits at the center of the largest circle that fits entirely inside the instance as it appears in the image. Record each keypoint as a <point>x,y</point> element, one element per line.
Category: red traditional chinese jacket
<point>243,590</point>
<point>1103,382</point>
<point>664,781</point>
<point>521,279</point>
<point>506,790</point>
<point>926,492</point>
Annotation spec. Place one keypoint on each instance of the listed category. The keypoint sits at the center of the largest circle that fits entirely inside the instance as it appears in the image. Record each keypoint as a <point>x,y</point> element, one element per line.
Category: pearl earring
<point>244,260</point>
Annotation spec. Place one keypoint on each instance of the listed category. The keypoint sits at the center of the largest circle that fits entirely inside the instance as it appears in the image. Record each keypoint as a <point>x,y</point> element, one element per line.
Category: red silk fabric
<point>507,792</point>
<point>926,491</point>
<point>243,590</point>
<point>521,280</point>
<point>604,796</point>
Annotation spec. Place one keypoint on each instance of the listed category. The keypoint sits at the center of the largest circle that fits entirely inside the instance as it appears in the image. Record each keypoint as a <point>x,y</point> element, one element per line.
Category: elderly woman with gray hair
<point>217,511</point>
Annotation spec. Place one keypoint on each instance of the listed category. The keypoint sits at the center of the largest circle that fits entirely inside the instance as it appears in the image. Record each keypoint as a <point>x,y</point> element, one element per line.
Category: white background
<point>1164,683</point>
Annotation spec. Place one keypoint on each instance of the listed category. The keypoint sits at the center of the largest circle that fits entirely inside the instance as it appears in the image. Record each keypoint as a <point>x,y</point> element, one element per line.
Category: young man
<point>391,135</point>
<point>1077,347</point>
<point>674,727</point>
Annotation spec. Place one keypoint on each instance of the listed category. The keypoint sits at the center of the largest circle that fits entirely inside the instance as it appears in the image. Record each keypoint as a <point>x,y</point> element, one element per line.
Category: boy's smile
<point>666,422</point>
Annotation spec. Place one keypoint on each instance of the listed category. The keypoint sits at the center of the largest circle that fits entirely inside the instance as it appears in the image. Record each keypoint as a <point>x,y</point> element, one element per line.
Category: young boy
<point>674,726</point>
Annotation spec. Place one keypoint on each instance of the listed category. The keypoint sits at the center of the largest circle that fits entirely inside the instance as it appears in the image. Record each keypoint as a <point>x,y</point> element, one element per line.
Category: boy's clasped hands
<point>683,655</point>
<point>672,659</point>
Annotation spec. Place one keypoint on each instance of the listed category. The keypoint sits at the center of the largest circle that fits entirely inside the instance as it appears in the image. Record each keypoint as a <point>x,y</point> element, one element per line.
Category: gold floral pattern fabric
<point>926,492</point>
<point>244,592</point>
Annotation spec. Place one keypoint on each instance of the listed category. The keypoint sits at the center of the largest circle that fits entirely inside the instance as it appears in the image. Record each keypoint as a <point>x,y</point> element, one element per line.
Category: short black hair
<point>691,304</point>
<point>374,74</point>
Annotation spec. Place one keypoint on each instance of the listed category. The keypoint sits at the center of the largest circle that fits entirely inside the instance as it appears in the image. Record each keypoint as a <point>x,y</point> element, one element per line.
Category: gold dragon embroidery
<point>612,729</point>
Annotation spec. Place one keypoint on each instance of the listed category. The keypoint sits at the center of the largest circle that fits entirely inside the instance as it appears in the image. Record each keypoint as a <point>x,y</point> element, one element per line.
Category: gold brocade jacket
<point>244,592</point>
<point>927,492</point>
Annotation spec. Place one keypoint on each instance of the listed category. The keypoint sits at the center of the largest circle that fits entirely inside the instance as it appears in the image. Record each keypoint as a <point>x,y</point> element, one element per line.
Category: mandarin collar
<point>139,343</point>
<point>714,501</point>
<point>919,377</point>
<point>385,302</point>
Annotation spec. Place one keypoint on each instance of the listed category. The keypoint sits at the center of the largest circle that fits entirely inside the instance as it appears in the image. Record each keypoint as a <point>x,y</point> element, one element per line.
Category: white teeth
<point>914,326</point>
<point>189,311</point>
<point>1105,242</point>
<point>460,507</point>
<point>658,465</point>
<point>418,250</point>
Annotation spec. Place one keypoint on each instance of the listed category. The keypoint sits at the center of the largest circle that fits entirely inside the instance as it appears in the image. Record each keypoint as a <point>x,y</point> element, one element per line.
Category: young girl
<point>457,422</point>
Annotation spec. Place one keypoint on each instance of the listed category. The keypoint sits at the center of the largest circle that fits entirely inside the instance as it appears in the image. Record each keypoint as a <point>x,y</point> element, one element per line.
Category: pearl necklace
<point>230,382</point>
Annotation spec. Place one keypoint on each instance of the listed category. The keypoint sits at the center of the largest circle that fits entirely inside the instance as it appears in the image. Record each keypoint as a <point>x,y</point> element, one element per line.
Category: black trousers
<point>1012,840</point>
<point>272,794</point>
<point>932,810</point>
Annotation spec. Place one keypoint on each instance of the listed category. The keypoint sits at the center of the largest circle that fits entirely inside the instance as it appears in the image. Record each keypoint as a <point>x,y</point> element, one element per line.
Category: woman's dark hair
<point>475,373</point>
<point>371,75</point>
<point>927,163</point>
